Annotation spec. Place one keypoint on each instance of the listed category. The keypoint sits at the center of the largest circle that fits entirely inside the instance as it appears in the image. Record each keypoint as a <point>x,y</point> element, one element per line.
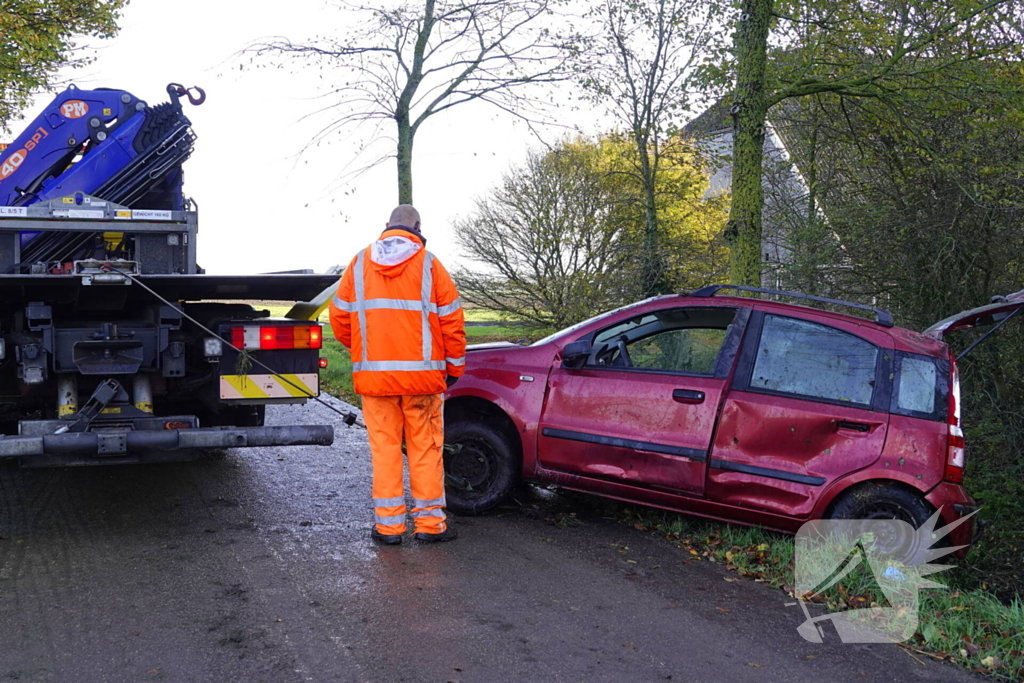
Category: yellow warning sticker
<point>106,112</point>
<point>68,200</point>
<point>234,387</point>
<point>123,214</point>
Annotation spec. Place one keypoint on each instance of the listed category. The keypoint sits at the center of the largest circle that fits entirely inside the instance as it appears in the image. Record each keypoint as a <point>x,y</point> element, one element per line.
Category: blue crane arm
<point>96,142</point>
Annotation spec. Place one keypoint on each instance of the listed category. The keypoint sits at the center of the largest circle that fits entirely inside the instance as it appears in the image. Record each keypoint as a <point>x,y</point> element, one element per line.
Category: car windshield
<point>573,328</point>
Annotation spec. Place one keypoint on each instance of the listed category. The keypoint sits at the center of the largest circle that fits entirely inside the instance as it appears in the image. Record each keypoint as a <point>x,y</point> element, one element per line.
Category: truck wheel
<point>480,467</point>
<point>877,502</point>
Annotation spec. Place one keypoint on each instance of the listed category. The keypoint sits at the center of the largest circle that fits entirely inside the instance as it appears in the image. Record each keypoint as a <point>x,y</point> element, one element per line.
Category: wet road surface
<point>256,565</point>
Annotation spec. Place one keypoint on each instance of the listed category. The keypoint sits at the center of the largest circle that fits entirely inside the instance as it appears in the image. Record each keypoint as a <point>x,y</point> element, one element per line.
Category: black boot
<point>386,539</point>
<point>449,534</point>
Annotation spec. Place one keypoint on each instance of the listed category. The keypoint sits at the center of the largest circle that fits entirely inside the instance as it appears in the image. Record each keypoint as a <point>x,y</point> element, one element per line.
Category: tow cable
<point>349,418</point>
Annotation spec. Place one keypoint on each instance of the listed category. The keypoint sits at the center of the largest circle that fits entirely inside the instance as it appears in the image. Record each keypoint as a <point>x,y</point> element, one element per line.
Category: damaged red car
<point>733,408</point>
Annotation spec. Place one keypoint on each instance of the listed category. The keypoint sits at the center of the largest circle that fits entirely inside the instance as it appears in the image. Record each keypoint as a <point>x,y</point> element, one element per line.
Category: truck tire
<point>876,502</point>
<point>481,468</point>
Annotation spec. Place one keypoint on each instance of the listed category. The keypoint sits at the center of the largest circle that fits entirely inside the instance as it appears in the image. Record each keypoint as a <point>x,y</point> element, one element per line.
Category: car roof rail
<point>882,316</point>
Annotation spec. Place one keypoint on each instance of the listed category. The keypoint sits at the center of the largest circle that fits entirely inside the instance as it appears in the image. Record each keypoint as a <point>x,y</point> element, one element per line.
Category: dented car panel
<point>745,410</point>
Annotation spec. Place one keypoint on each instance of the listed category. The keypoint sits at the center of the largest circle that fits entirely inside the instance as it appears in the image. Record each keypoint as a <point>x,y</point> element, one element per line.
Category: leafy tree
<point>38,38</point>
<point>408,62</point>
<point>640,68</point>
<point>562,237</point>
<point>850,49</point>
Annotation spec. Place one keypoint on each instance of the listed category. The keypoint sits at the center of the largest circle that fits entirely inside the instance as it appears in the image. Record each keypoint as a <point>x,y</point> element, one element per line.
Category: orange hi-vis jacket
<point>399,314</point>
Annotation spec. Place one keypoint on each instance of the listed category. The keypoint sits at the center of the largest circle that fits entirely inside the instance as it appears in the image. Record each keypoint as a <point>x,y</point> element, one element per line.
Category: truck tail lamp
<point>956,456</point>
<point>276,337</point>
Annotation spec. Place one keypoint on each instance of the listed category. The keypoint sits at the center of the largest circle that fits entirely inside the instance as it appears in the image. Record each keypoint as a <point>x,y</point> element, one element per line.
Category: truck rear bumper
<point>80,448</point>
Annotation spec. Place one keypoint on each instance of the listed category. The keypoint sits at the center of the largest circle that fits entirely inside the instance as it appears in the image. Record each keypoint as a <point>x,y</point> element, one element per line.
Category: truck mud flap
<point>113,445</point>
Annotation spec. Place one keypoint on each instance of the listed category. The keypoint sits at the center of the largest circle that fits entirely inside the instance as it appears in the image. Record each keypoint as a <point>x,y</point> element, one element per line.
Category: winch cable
<point>349,418</point>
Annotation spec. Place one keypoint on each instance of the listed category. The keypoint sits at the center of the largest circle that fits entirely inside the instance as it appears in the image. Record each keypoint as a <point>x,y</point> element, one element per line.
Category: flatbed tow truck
<point>115,346</point>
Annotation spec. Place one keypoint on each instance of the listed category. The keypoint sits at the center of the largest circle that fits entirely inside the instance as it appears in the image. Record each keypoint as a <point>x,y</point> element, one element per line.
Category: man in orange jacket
<point>398,313</point>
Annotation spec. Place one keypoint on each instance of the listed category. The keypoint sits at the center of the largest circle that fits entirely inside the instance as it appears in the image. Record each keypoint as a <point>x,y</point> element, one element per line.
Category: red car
<point>732,408</point>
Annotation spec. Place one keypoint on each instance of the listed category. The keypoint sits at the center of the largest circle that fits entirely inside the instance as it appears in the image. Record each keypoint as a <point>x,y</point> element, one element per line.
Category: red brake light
<point>276,337</point>
<point>323,363</point>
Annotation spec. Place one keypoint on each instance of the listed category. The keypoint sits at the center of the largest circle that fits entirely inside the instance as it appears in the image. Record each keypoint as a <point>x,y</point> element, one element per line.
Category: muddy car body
<point>733,408</point>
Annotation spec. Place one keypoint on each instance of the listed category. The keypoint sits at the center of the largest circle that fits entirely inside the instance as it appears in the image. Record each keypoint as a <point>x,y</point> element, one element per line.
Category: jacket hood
<point>393,251</point>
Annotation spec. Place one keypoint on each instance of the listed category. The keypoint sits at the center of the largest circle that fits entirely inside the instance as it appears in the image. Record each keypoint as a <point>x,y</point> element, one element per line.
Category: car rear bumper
<point>954,504</point>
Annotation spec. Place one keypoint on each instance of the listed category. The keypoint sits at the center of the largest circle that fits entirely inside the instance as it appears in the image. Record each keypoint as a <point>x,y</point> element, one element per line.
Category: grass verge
<point>963,624</point>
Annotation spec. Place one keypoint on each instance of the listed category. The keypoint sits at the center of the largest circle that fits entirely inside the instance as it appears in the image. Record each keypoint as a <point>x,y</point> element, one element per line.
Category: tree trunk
<point>653,266</point>
<point>749,112</point>
<point>404,156</point>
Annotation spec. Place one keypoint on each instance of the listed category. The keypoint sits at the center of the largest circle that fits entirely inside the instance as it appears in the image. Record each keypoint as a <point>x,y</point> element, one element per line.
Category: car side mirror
<point>575,354</point>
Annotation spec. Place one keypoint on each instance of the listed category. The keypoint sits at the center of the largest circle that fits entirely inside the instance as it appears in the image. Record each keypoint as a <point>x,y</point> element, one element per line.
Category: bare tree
<point>547,237</point>
<point>411,61</point>
<point>640,69</point>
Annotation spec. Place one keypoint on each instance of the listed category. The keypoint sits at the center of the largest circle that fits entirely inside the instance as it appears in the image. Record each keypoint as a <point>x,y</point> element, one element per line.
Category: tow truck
<point>115,346</point>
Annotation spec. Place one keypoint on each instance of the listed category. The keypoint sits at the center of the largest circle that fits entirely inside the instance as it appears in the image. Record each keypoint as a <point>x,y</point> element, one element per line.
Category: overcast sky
<point>262,207</point>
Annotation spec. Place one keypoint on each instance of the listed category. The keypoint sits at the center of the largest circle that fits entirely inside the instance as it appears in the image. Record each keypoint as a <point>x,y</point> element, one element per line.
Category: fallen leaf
<point>754,664</point>
<point>723,609</point>
<point>992,662</point>
<point>731,580</point>
<point>655,566</point>
<point>305,523</point>
<point>631,561</point>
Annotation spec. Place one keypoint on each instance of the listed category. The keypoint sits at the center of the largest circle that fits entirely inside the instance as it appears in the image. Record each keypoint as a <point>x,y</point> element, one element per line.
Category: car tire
<point>876,502</point>
<point>481,468</point>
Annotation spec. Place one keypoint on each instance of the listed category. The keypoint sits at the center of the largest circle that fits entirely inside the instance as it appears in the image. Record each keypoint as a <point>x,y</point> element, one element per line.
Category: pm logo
<point>889,553</point>
<point>74,109</point>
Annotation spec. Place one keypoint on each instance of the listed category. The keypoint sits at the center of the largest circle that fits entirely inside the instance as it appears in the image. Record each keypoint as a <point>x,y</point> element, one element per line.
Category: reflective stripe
<point>456,361</point>
<point>397,305</point>
<point>343,305</point>
<point>436,512</point>
<point>361,299</point>
<point>450,308</point>
<point>428,503</point>
<point>388,502</point>
<point>397,365</point>
<point>426,296</point>
<point>388,521</point>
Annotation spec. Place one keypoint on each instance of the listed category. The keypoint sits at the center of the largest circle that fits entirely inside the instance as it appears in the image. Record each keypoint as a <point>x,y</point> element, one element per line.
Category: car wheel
<point>877,503</point>
<point>480,467</point>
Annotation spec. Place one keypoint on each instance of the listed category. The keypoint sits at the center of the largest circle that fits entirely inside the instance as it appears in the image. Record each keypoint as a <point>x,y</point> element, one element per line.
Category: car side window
<point>691,350</point>
<point>807,359</point>
<point>683,340</point>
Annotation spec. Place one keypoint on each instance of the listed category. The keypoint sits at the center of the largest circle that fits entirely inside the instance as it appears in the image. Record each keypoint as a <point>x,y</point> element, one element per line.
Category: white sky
<point>261,207</point>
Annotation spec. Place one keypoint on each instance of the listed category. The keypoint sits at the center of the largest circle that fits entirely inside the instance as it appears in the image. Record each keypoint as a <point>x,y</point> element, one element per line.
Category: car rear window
<point>804,358</point>
<point>920,388</point>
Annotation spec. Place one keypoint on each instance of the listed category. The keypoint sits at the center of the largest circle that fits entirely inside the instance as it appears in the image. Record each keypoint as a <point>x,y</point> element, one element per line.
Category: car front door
<point>807,405</point>
<point>641,410</point>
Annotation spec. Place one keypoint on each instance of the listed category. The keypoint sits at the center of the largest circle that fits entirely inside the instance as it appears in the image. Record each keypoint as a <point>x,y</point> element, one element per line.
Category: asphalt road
<point>256,565</point>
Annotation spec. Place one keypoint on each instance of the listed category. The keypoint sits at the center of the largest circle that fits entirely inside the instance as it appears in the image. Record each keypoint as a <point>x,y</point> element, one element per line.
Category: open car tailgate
<point>1001,310</point>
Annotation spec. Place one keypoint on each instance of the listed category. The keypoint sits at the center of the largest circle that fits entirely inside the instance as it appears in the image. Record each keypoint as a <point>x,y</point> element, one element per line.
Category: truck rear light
<point>323,363</point>
<point>955,455</point>
<point>276,337</point>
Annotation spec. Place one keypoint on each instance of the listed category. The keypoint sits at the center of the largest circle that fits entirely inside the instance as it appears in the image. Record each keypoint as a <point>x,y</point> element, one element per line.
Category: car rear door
<point>806,405</point>
<point>642,409</point>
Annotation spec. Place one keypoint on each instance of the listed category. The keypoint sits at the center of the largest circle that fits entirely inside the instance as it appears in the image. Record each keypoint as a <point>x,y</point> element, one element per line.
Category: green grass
<point>964,624</point>
<point>336,378</point>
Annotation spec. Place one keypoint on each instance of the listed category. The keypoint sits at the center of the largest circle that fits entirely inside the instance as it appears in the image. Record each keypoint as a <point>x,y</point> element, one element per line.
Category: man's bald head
<point>407,215</point>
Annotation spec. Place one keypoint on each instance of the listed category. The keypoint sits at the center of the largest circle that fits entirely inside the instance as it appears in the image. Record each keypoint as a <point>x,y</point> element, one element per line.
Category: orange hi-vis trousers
<point>419,419</point>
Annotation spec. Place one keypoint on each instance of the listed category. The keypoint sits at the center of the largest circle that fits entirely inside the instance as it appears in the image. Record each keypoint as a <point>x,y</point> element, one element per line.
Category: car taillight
<point>276,337</point>
<point>955,457</point>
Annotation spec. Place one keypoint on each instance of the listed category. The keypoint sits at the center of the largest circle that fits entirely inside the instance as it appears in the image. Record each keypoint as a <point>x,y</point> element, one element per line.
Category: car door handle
<point>688,396</point>
<point>853,426</point>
